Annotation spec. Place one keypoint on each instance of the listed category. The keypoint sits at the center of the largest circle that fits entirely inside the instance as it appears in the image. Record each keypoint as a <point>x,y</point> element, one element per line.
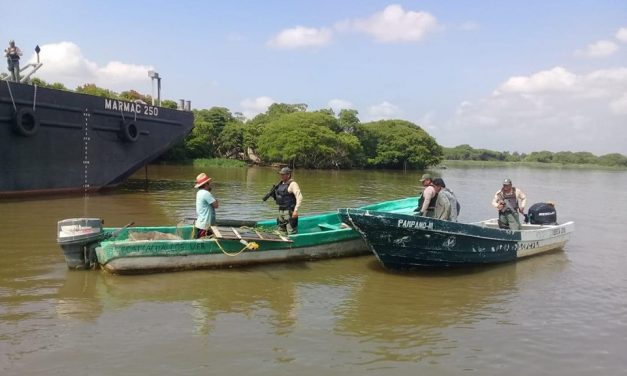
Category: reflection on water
<point>396,317</point>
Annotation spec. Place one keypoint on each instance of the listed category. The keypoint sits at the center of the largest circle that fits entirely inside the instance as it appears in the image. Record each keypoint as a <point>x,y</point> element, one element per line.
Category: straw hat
<point>201,180</point>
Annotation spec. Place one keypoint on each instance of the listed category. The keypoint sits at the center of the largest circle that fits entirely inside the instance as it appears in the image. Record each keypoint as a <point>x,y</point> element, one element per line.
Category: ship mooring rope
<point>11,94</point>
<point>34,97</point>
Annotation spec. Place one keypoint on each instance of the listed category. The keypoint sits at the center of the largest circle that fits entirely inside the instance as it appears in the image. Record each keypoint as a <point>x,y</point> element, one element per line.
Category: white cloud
<point>383,110</point>
<point>556,79</point>
<point>339,104</point>
<point>602,48</point>
<point>65,63</point>
<point>299,37</point>
<point>393,24</point>
<point>253,107</point>
<point>621,34</point>
<point>553,110</point>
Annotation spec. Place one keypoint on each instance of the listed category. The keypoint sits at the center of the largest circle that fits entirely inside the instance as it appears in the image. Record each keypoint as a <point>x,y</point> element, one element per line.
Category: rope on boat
<point>249,245</point>
<point>34,97</point>
<point>11,94</point>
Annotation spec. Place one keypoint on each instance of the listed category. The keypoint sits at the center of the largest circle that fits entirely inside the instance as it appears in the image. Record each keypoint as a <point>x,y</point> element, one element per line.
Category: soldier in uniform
<point>288,196</point>
<point>509,201</point>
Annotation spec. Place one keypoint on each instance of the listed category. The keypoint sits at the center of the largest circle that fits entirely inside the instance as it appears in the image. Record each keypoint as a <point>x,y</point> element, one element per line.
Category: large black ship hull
<point>54,141</point>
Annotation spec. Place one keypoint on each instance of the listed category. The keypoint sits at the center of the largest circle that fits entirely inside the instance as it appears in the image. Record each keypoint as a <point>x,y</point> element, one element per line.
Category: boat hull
<point>209,256</point>
<point>406,242</point>
<point>55,141</point>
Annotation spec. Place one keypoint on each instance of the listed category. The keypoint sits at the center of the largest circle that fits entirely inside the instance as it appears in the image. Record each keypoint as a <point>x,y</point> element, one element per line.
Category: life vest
<point>285,200</point>
<point>421,200</point>
<point>510,198</point>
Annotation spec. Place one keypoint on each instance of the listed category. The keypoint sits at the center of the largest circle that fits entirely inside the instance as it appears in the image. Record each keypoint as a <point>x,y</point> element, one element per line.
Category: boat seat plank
<point>230,233</point>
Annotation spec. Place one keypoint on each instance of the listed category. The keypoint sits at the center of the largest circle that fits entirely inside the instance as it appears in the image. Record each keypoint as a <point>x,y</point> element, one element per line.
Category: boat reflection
<point>272,295</point>
<point>394,317</point>
<point>407,316</point>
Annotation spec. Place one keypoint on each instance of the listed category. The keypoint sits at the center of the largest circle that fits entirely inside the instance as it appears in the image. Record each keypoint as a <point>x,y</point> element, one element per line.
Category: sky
<point>502,75</point>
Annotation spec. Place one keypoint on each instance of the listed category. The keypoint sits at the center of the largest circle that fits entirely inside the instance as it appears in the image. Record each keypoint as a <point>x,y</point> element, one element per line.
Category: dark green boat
<point>403,241</point>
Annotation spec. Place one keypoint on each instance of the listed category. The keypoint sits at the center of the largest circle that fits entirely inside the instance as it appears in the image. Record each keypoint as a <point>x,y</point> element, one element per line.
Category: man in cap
<point>509,201</point>
<point>206,206</point>
<point>426,200</point>
<point>288,196</point>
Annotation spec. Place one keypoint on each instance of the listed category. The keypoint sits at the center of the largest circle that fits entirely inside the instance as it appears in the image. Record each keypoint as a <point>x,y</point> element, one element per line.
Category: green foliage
<point>218,162</point>
<point>231,139</point>
<point>92,89</point>
<point>204,141</point>
<point>167,103</point>
<point>400,144</point>
<point>132,95</point>
<point>307,139</point>
<point>41,83</point>
<point>467,153</point>
<point>348,120</point>
<point>613,159</point>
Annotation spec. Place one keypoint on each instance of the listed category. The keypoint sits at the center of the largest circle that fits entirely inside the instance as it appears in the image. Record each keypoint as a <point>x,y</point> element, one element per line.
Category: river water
<point>563,313</point>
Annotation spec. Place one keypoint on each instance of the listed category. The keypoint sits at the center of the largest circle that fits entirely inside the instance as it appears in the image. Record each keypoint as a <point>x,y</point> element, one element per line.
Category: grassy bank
<point>490,164</point>
<point>213,162</point>
<point>218,162</point>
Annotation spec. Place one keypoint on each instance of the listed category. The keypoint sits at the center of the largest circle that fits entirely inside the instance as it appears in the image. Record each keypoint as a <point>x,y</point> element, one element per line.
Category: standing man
<point>509,201</point>
<point>426,201</point>
<point>206,206</point>
<point>13,54</point>
<point>288,196</point>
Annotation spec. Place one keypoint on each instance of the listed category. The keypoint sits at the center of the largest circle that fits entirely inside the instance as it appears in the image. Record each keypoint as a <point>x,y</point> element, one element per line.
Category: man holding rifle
<point>288,196</point>
<point>509,201</point>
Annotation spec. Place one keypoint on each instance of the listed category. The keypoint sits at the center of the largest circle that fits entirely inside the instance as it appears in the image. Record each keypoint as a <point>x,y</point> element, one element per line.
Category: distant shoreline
<point>489,164</point>
<point>230,163</point>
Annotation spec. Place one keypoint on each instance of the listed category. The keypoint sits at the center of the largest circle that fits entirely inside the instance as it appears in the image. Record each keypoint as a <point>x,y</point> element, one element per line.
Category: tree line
<point>290,134</point>
<point>467,153</point>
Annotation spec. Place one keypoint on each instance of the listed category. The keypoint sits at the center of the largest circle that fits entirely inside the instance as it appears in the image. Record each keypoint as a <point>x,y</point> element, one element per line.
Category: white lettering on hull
<point>135,108</point>
<point>403,223</point>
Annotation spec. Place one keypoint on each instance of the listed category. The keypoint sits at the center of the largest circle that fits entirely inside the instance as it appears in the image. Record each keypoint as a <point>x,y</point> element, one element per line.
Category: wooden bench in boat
<point>232,233</point>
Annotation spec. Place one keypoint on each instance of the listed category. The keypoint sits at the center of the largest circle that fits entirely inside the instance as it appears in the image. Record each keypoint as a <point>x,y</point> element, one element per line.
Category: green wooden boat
<point>154,249</point>
<point>404,241</point>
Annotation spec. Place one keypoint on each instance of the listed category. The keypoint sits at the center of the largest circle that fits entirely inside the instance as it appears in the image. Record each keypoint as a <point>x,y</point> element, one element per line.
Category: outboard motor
<point>542,213</point>
<point>79,238</point>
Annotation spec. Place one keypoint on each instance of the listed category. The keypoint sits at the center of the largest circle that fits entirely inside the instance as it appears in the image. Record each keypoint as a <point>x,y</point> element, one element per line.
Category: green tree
<point>539,156</point>
<point>307,139</point>
<point>92,89</point>
<point>231,139</point>
<point>348,120</point>
<point>613,159</point>
<point>402,144</point>
<point>167,103</point>
<point>42,83</point>
<point>132,95</point>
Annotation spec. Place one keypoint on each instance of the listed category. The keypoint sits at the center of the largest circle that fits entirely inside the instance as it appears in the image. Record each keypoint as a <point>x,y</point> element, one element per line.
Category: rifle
<point>272,192</point>
<point>509,206</point>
